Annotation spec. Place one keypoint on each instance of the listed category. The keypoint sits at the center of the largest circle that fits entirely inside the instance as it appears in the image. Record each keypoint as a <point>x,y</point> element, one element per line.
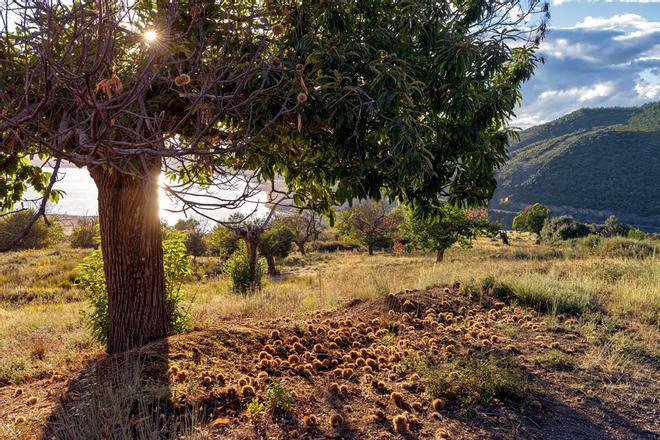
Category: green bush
<point>334,246</point>
<point>177,269</point>
<point>592,241</point>
<point>244,277</point>
<point>531,219</point>
<point>221,242</point>
<point>459,379</point>
<point>563,228</point>
<point>636,234</point>
<point>41,235</point>
<point>278,398</point>
<point>628,248</point>
<point>195,239</point>
<point>85,235</point>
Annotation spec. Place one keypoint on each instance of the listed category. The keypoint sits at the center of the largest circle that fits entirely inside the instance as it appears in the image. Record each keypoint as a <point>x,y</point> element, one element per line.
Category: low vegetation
<point>606,298</point>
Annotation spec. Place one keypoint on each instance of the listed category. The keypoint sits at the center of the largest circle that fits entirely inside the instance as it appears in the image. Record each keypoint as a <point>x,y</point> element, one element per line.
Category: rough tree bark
<point>439,256</point>
<point>131,241</point>
<point>270,260</point>
<point>301,246</point>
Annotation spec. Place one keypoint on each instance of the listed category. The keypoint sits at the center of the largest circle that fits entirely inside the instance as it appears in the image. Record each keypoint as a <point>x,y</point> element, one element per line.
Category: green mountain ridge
<point>590,164</point>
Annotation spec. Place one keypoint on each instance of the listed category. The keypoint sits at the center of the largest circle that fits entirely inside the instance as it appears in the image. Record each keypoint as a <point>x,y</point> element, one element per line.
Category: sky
<point>599,53</point>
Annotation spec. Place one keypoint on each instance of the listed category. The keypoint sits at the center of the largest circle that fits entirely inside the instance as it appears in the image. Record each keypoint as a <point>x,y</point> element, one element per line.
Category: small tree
<point>531,219</point>
<point>369,223</point>
<point>275,242</point>
<point>453,225</point>
<point>86,235</point>
<point>222,242</point>
<point>563,227</point>
<point>245,274</point>
<point>195,238</point>
<point>613,227</point>
<point>40,235</point>
<point>307,227</point>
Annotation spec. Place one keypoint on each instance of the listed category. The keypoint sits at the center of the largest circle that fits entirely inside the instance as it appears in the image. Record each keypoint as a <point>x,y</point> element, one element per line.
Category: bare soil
<point>366,349</point>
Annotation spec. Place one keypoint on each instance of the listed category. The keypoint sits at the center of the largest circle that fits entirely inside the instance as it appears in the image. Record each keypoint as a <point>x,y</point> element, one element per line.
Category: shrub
<point>636,234</point>
<point>334,246</point>
<point>177,268</point>
<point>255,408</point>
<point>563,228</point>
<point>244,277</point>
<point>195,239</point>
<point>41,235</point>
<point>463,377</point>
<point>278,397</point>
<point>628,248</point>
<point>85,235</point>
<point>592,241</point>
<point>221,242</point>
<point>531,219</point>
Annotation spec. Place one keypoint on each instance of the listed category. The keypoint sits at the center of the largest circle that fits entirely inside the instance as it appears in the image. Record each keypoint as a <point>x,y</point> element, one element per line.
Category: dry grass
<point>610,304</point>
<point>550,279</point>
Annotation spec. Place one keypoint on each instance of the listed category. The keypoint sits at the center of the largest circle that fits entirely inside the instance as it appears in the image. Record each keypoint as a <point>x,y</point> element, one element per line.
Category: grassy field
<point>610,297</point>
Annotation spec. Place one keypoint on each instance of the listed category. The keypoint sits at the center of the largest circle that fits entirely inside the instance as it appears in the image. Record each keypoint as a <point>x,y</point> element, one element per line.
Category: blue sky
<point>598,54</point>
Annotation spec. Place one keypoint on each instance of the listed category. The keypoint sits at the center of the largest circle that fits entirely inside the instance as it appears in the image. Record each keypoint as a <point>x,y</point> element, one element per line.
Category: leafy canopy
<point>343,99</point>
<point>453,226</point>
<point>531,219</point>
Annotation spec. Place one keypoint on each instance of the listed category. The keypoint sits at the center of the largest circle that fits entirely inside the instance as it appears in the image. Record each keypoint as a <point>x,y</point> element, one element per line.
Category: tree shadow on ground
<point>120,397</point>
<point>555,421</point>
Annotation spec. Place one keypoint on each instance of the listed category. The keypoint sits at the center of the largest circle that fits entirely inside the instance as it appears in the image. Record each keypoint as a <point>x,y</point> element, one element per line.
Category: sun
<point>150,36</point>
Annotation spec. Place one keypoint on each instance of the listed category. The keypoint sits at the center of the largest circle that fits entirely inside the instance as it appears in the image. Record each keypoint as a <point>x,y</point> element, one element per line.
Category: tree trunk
<point>270,260</point>
<point>131,242</point>
<point>439,255</point>
<point>301,247</point>
<point>252,245</point>
<point>371,249</point>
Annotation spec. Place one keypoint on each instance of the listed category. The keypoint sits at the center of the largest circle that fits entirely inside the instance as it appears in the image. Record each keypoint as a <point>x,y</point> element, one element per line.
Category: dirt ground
<point>402,366</point>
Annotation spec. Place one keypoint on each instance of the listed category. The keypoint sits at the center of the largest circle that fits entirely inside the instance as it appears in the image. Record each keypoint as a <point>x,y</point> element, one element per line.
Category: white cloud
<point>582,94</point>
<point>633,25</point>
<point>647,90</point>
<point>563,48</point>
<point>598,62</point>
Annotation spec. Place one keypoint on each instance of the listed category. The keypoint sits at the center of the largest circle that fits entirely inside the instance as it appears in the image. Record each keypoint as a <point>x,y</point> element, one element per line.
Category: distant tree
<point>275,242</point>
<point>85,235</point>
<point>613,227</point>
<point>307,227</point>
<point>221,241</point>
<point>453,225</point>
<point>40,235</point>
<point>369,223</point>
<point>531,219</point>
<point>636,234</point>
<point>563,228</point>
<point>195,239</point>
<point>504,237</point>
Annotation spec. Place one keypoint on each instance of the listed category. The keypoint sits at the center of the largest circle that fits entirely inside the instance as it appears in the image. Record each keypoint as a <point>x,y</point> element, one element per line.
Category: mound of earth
<point>419,364</point>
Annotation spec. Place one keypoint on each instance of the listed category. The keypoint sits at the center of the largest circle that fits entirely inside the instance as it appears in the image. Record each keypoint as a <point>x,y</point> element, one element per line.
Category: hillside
<point>590,164</point>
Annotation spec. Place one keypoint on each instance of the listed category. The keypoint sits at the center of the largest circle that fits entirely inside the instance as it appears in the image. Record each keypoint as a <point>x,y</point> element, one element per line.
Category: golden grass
<point>41,334</point>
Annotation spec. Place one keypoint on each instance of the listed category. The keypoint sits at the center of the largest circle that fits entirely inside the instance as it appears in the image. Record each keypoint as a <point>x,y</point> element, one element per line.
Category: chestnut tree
<point>343,100</point>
